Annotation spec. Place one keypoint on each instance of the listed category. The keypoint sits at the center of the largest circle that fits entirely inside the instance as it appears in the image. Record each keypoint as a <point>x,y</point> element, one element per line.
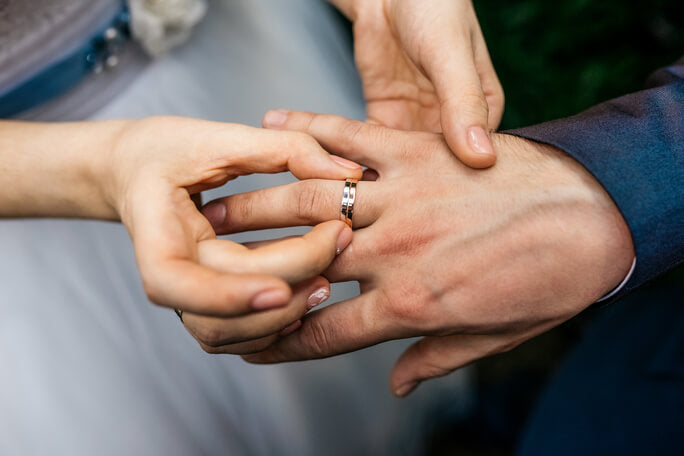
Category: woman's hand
<point>476,261</point>
<point>154,167</point>
<point>144,172</point>
<point>425,66</point>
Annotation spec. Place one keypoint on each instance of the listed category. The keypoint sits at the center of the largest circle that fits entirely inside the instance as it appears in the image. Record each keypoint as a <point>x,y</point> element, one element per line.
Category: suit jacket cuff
<point>634,146</point>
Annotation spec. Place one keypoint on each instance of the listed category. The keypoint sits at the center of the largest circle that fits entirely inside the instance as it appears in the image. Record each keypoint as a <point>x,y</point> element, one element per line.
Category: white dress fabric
<point>88,366</point>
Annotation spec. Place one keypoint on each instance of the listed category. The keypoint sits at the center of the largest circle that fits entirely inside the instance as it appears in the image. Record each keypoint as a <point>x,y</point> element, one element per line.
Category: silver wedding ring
<point>348,198</point>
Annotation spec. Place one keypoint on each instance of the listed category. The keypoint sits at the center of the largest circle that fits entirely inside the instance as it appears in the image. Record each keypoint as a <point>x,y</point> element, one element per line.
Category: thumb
<point>463,106</point>
<point>433,357</point>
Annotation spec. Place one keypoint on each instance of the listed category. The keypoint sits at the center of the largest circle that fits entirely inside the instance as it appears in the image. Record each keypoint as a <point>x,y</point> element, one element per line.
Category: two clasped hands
<point>473,256</point>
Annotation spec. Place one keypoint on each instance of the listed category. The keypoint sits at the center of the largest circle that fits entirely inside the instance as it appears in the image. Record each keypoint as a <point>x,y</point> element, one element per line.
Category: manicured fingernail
<point>317,297</point>
<point>291,328</point>
<point>344,162</point>
<point>215,213</point>
<point>343,240</point>
<point>479,141</point>
<point>275,118</point>
<point>405,389</point>
<point>270,299</point>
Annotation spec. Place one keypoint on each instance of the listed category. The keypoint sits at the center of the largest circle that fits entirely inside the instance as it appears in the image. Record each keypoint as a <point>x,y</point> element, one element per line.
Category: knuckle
<point>349,135</point>
<point>152,290</point>
<point>315,259</point>
<point>317,338</point>
<point>408,311</point>
<point>323,258</point>
<point>300,140</point>
<point>474,102</point>
<point>471,103</point>
<point>309,198</point>
<point>209,335</point>
<point>211,350</point>
<point>241,210</point>
<point>251,347</point>
<point>321,251</point>
<point>306,119</point>
<point>413,308</point>
<point>246,208</point>
<point>431,368</point>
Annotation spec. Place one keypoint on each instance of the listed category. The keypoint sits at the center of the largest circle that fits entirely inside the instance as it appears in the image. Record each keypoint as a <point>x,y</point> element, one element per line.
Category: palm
<point>397,93</point>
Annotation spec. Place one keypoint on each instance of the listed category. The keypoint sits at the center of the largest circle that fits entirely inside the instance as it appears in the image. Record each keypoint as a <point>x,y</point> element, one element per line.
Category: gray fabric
<point>36,33</point>
<point>88,366</point>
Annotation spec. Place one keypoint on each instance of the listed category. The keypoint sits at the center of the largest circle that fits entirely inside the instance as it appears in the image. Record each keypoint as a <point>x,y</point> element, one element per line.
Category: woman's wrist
<point>56,169</point>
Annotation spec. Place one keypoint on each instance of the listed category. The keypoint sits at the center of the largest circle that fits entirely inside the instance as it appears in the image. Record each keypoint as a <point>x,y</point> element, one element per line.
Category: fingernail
<point>479,141</point>
<point>275,118</point>
<point>270,299</point>
<point>343,240</point>
<point>291,328</point>
<point>344,162</point>
<point>317,297</point>
<point>215,213</point>
<point>405,389</point>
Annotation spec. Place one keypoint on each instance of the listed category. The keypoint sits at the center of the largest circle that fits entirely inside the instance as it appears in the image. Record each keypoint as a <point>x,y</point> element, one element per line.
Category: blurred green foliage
<point>557,58</point>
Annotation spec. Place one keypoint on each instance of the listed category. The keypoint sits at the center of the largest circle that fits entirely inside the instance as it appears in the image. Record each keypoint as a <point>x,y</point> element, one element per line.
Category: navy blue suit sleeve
<point>634,146</point>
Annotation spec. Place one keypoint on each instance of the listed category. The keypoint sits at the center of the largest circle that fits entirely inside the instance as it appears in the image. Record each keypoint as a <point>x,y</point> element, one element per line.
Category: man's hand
<point>476,261</point>
<point>425,66</point>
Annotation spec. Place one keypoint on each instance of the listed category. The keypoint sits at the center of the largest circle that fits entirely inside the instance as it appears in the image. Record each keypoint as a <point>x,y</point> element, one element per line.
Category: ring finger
<point>301,203</point>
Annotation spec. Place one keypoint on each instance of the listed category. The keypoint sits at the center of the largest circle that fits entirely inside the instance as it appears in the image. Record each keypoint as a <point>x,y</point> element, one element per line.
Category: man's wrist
<point>601,231</point>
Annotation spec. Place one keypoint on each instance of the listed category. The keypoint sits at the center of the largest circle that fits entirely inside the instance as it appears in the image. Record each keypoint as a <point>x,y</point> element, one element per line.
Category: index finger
<point>245,150</point>
<point>381,148</point>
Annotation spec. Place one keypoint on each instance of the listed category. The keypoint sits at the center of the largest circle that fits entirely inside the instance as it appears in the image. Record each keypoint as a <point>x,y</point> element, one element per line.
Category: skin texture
<point>475,261</point>
<point>143,172</point>
<point>425,66</point>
